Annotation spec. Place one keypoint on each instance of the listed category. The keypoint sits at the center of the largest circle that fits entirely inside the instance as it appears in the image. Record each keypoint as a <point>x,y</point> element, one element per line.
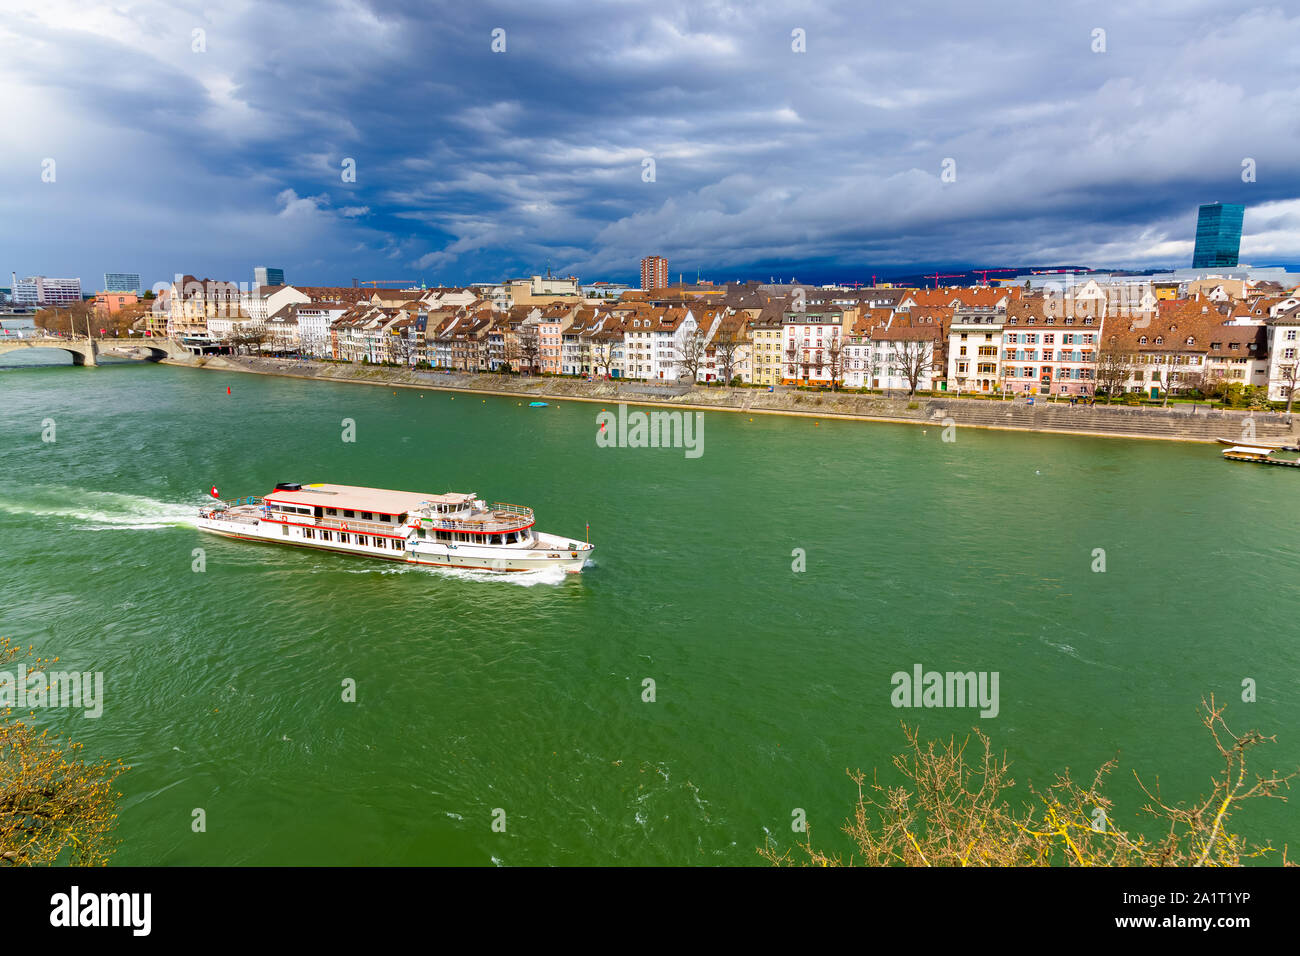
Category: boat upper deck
<point>374,500</point>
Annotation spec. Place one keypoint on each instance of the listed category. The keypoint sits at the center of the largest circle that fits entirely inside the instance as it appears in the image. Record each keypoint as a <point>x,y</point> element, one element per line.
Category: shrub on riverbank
<point>952,812</point>
<point>56,808</point>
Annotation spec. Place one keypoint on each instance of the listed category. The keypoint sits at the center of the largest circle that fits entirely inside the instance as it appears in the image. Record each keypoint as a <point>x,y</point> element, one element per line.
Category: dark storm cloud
<point>473,164</point>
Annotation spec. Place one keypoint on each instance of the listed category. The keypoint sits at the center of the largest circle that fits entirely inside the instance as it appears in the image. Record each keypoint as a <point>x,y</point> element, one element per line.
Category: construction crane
<point>984,274</point>
<point>937,276</point>
<point>376,282</point>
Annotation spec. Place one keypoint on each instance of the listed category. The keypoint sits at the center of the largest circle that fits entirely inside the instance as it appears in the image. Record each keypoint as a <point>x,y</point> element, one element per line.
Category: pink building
<point>109,302</point>
<point>551,323</point>
<point>1043,354</point>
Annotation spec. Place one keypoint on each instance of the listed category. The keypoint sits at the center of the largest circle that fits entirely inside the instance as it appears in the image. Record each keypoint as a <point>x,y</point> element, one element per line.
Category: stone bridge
<point>85,351</point>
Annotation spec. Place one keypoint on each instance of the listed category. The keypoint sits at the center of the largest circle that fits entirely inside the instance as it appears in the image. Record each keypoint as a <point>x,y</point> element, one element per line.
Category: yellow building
<point>765,352</point>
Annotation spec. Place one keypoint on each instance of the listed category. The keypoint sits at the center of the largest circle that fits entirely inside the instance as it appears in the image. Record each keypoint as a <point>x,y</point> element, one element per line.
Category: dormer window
<point>1160,340</point>
<point>1142,341</point>
<point>1190,340</point>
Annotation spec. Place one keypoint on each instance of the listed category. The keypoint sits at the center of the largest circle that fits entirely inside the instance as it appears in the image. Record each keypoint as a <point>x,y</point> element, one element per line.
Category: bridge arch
<point>81,354</point>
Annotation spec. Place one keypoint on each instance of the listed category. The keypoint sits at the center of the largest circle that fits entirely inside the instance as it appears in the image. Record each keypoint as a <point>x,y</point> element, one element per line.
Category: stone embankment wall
<point>1177,423</point>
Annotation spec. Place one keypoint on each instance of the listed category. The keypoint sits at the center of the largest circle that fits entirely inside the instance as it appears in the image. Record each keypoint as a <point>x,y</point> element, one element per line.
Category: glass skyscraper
<point>121,282</point>
<point>265,275</point>
<point>1218,235</point>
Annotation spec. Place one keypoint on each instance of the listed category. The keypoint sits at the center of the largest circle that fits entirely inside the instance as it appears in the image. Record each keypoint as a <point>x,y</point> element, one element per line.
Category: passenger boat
<point>453,530</point>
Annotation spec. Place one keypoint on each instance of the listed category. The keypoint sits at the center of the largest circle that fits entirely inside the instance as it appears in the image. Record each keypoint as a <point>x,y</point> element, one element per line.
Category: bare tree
<point>835,360</point>
<point>870,365</point>
<point>951,810</point>
<point>1287,384</point>
<point>312,344</point>
<point>602,356</point>
<point>1171,379</point>
<point>690,356</point>
<point>402,346</point>
<point>792,360</point>
<point>914,359</point>
<point>529,348</point>
<point>726,346</point>
<point>1113,368</point>
<point>245,338</point>
<point>255,336</point>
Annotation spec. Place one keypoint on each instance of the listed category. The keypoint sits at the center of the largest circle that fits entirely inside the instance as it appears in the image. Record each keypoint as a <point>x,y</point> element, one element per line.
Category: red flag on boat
<point>213,492</point>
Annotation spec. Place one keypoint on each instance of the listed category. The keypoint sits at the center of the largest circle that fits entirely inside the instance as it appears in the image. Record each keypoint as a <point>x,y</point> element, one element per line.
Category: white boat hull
<point>550,551</point>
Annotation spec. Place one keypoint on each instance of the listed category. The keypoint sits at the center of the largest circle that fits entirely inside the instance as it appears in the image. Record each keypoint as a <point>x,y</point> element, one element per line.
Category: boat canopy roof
<point>356,498</point>
<point>1249,450</point>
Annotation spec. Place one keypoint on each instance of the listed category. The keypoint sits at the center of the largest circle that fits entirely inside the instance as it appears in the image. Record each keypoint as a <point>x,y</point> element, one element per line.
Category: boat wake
<point>527,579</point>
<point>100,510</point>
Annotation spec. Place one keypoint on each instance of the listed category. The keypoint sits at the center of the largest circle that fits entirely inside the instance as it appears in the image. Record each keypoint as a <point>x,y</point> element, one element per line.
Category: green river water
<point>223,689</point>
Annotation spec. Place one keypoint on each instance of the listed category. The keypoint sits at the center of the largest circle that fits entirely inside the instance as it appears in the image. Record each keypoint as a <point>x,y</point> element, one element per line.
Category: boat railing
<point>521,510</point>
<point>503,517</point>
<point>226,510</point>
<point>359,526</point>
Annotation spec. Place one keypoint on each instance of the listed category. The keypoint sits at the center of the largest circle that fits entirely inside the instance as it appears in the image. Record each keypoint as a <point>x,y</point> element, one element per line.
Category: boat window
<point>349,514</point>
<point>367,516</point>
<point>331,511</point>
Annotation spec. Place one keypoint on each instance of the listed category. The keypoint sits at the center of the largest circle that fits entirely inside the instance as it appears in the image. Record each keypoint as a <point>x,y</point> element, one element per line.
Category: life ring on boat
<point>344,525</point>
